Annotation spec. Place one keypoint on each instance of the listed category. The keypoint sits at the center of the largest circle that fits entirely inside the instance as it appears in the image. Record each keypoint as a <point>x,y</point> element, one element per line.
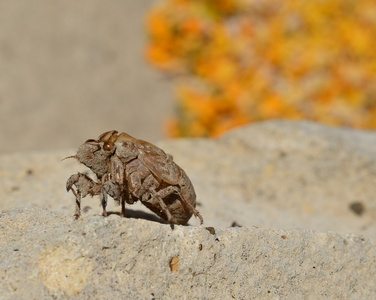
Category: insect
<point>131,170</point>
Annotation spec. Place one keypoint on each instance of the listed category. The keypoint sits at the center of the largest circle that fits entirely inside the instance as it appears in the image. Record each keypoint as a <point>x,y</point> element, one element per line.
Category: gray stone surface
<point>293,187</point>
<point>285,175</point>
<point>46,255</point>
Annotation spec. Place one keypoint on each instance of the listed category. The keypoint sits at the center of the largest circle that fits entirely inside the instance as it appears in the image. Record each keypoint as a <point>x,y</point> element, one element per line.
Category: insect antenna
<point>72,156</point>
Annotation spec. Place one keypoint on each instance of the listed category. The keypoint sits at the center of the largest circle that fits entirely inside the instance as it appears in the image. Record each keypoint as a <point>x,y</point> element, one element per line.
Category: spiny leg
<point>170,218</point>
<point>78,203</point>
<point>72,180</point>
<point>172,189</point>
<point>84,186</point>
<point>191,207</point>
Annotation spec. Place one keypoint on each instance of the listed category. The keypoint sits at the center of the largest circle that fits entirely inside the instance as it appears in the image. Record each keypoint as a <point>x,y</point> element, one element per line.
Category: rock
<point>46,255</point>
<point>283,174</point>
<point>299,195</point>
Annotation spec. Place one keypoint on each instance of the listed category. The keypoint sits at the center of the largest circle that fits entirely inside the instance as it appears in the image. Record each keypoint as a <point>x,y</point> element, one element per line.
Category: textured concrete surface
<point>75,68</point>
<point>45,255</point>
<point>285,175</point>
<point>302,192</point>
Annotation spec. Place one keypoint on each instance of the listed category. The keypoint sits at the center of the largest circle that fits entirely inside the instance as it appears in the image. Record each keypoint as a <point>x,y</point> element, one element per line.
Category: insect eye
<point>107,146</point>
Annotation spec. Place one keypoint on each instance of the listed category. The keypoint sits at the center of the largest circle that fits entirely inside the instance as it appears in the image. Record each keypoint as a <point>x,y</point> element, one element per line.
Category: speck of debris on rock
<point>236,224</point>
<point>29,172</point>
<point>210,229</point>
<point>175,264</point>
<point>357,208</point>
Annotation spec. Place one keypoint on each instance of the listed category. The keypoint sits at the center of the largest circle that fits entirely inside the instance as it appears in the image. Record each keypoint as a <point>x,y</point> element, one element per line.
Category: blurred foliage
<point>242,61</point>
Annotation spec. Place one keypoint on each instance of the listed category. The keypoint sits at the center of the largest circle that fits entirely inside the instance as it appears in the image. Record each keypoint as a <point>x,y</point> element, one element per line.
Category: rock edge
<point>139,259</point>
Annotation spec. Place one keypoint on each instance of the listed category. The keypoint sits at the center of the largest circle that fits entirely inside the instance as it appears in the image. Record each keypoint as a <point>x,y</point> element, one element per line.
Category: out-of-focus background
<point>70,70</point>
<point>250,60</point>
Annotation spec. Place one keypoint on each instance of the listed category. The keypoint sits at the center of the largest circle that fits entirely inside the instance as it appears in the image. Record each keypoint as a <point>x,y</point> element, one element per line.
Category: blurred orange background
<point>241,61</point>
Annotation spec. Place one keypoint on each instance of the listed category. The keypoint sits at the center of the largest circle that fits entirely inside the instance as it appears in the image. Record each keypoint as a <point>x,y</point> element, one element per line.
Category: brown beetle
<point>129,170</point>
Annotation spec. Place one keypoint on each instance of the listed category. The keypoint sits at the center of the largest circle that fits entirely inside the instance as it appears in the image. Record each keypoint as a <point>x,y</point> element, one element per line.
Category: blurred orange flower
<point>250,60</point>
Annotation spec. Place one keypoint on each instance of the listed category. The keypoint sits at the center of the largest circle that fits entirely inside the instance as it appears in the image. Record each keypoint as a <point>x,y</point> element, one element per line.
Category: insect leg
<point>155,195</point>
<point>70,182</point>
<point>173,189</point>
<point>191,207</point>
<point>146,191</point>
<point>78,204</point>
<point>84,186</point>
<point>117,191</point>
<point>117,170</point>
<point>122,213</point>
<point>104,201</point>
<point>117,175</point>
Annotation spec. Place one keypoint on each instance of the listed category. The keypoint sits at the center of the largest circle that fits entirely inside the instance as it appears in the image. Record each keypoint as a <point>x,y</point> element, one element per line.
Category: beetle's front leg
<point>73,180</point>
<point>77,213</point>
<point>84,186</point>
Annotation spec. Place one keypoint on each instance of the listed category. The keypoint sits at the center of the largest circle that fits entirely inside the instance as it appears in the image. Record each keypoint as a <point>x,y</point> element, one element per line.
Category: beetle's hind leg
<point>170,218</point>
<point>164,193</point>
<point>190,207</point>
